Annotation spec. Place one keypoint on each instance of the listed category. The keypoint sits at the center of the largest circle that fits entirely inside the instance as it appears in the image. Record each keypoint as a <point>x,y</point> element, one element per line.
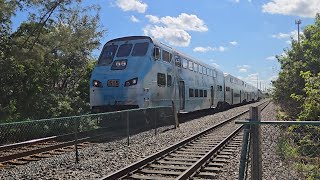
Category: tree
<point>49,60</point>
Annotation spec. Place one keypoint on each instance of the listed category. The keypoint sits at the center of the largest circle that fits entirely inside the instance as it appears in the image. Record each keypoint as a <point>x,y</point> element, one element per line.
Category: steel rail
<point>194,168</point>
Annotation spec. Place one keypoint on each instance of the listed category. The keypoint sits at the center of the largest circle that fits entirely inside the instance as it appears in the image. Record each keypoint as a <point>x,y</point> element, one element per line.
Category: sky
<point>239,37</point>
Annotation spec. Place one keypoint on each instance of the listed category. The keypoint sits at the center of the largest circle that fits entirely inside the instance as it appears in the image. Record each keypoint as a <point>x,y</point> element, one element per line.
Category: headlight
<point>96,83</point>
<point>118,63</point>
<point>123,63</point>
<point>131,82</point>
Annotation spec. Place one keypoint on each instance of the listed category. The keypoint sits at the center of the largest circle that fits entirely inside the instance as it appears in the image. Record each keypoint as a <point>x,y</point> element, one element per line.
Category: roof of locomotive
<point>155,41</point>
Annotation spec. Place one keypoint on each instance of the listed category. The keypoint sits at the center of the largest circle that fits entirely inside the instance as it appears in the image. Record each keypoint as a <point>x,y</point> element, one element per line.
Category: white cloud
<point>132,5</point>
<point>176,37</point>
<point>153,19</point>
<point>174,29</point>
<point>234,43</point>
<point>208,48</point>
<point>292,34</point>
<point>243,68</point>
<point>271,58</point>
<point>134,19</point>
<point>187,22</point>
<point>303,8</point>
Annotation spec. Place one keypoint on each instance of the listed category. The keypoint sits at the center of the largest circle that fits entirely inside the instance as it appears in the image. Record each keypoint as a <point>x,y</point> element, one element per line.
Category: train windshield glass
<point>140,49</point>
<point>107,55</point>
<point>124,50</point>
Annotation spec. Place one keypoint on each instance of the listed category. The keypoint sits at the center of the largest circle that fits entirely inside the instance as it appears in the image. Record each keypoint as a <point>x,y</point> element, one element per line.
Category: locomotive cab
<point>117,80</point>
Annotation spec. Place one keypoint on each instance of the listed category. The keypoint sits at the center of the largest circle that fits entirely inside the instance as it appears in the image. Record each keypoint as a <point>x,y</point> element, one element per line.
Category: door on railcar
<point>182,96</point>
<point>212,95</point>
<point>232,96</point>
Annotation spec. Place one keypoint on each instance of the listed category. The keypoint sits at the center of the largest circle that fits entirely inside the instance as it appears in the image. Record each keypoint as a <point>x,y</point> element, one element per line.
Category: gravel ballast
<point>100,159</point>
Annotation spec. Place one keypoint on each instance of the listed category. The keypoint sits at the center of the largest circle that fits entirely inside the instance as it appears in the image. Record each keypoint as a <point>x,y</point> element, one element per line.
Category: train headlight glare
<point>96,83</point>
<point>131,82</point>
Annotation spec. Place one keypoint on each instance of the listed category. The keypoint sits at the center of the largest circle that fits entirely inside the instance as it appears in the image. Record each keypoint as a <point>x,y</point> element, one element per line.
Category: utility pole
<point>298,22</point>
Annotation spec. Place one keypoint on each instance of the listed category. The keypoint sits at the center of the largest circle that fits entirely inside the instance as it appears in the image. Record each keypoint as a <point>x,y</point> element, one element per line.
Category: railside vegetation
<point>46,61</point>
<point>297,92</point>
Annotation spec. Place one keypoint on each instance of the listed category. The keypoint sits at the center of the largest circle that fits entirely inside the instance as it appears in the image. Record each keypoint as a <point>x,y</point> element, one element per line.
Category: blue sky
<point>240,37</point>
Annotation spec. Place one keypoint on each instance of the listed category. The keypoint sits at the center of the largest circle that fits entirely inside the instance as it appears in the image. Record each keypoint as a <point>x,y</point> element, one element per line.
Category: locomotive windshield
<point>107,55</point>
<point>124,50</point>
<point>140,49</point>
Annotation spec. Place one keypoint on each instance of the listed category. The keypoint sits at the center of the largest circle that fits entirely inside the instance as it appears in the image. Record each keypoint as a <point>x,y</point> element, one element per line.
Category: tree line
<point>297,89</point>
<point>45,63</point>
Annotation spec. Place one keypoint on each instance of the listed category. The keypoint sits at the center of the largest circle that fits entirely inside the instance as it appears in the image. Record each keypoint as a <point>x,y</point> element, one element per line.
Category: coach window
<point>177,61</point>
<point>191,65</point>
<point>124,50</point>
<point>201,93</point>
<point>166,56</point>
<point>196,93</point>
<point>195,67</point>
<point>204,93</point>
<point>161,79</point>
<point>140,49</point>
<point>185,63</point>
<point>191,93</point>
<point>214,74</point>
<point>169,80</point>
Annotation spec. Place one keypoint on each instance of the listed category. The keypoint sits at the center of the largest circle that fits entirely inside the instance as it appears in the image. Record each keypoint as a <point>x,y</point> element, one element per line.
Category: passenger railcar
<point>139,72</point>
<point>238,91</point>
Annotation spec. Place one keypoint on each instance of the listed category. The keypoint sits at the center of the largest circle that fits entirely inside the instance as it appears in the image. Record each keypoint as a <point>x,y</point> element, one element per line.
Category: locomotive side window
<point>124,50</point>
<point>169,80</point>
<point>191,93</point>
<point>196,93</point>
<point>161,79</point>
<point>107,55</point>
<point>191,65</point>
<point>166,56</point>
<point>184,63</point>
<point>201,93</point>
<point>140,49</point>
<point>205,93</point>
<point>156,53</point>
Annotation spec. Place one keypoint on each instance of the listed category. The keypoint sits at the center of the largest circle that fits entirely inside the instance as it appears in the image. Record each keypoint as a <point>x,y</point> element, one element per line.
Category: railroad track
<point>200,156</point>
<point>34,150</point>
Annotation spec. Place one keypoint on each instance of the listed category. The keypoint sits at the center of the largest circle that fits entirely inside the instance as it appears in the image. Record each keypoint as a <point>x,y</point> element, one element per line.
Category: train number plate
<point>113,83</point>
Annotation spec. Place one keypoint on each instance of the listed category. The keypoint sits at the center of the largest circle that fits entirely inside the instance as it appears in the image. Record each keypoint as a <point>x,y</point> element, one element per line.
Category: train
<point>141,72</point>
